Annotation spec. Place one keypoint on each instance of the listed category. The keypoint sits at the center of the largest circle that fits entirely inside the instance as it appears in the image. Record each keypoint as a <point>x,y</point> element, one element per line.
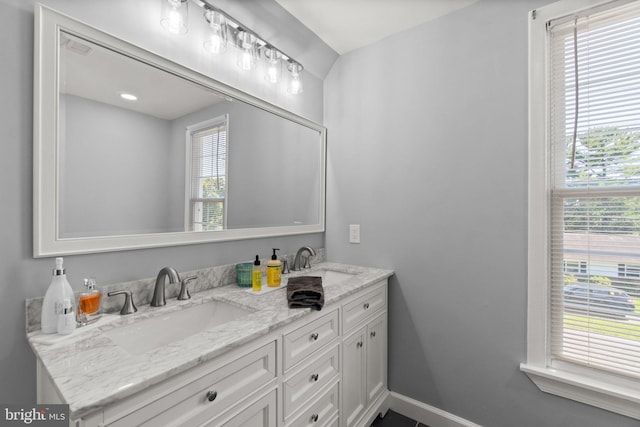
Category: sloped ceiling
<point>346,25</point>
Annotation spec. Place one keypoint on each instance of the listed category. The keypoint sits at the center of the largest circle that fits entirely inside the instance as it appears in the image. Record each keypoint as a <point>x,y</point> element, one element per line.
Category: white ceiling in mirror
<point>346,25</point>
<point>100,74</point>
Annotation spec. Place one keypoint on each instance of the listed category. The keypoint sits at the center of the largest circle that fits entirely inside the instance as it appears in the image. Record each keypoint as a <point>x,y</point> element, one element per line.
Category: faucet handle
<point>129,307</point>
<point>285,266</point>
<point>184,292</point>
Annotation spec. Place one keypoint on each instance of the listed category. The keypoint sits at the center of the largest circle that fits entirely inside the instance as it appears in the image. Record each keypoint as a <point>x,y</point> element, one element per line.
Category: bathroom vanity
<point>227,356</point>
<point>267,366</point>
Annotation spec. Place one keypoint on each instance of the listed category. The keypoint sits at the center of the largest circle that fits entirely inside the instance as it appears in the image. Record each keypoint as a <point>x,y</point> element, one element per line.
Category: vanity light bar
<point>233,22</point>
<point>262,47</point>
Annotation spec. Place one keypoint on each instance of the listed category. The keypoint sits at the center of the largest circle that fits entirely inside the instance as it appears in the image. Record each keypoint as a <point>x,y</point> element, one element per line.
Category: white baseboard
<point>426,414</point>
<point>379,406</point>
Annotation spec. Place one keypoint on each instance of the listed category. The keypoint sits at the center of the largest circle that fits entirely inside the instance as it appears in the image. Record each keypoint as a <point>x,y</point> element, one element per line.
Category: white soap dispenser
<point>53,303</point>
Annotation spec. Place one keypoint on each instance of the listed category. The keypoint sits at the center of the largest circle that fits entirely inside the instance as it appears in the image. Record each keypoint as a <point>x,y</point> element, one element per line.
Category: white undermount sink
<point>148,334</point>
<point>331,277</point>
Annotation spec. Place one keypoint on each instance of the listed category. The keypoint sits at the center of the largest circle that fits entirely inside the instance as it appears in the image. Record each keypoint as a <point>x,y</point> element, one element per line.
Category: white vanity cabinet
<point>364,359</point>
<point>326,369</point>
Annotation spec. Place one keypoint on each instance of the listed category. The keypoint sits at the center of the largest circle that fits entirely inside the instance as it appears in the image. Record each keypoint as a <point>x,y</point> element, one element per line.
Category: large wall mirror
<point>132,151</point>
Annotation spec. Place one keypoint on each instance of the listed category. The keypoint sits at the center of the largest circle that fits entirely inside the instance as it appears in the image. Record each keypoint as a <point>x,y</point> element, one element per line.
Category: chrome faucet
<point>307,263</point>
<point>158,299</point>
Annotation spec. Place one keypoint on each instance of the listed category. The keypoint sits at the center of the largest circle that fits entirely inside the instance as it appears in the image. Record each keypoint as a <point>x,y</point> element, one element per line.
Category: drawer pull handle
<point>315,377</point>
<point>211,395</point>
<point>315,418</point>
<point>373,334</point>
<point>314,336</point>
<point>359,344</point>
<point>366,306</point>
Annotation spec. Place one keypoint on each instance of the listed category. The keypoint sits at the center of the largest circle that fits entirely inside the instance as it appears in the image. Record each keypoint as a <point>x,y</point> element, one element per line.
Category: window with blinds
<point>594,136</point>
<point>208,148</point>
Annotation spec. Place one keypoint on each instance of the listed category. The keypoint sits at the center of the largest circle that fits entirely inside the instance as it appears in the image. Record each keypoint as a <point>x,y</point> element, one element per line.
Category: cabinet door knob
<point>315,377</point>
<point>373,333</point>
<point>314,336</point>
<point>315,418</point>
<point>359,344</point>
<point>211,395</point>
<point>366,305</point>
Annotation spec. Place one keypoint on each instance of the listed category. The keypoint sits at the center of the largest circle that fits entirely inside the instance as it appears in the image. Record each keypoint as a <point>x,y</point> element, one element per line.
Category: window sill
<point>587,389</point>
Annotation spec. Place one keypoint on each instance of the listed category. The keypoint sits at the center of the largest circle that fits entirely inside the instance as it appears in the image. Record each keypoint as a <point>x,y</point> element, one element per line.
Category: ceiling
<point>83,73</point>
<point>346,25</point>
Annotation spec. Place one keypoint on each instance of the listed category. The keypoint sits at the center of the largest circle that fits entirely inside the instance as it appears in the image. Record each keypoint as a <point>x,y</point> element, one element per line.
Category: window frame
<point>629,270</point>
<point>190,131</point>
<point>575,267</point>
<point>597,388</point>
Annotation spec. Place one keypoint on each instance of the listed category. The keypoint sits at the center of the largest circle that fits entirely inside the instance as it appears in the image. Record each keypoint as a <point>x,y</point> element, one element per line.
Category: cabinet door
<point>376,378</point>
<point>353,377</point>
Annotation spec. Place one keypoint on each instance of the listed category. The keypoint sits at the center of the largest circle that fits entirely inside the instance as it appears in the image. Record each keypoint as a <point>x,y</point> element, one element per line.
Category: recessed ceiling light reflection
<point>128,96</point>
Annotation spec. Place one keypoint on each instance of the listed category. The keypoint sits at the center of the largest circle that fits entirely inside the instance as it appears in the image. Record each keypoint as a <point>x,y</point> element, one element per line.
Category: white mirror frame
<point>46,243</point>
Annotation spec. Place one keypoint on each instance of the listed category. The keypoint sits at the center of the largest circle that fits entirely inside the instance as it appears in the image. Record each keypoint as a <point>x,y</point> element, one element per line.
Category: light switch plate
<point>354,233</point>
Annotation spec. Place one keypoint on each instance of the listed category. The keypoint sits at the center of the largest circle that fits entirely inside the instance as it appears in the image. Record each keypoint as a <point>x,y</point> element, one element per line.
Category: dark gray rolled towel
<point>305,291</point>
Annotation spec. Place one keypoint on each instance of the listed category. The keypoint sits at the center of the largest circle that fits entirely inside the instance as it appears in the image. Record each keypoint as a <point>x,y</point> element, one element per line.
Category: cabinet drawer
<point>321,412</point>
<point>303,385</point>
<point>334,423</point>
<point>363,307</point>
<point>260,413</point>
<point>309,338</point>
<point>212,393</point>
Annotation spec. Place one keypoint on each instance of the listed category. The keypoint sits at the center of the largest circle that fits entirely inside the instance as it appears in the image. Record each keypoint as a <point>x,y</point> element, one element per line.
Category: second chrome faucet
<point>300,261</point>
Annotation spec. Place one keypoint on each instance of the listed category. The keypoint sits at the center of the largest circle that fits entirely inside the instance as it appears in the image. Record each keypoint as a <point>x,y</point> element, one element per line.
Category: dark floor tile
<point>393,419</point>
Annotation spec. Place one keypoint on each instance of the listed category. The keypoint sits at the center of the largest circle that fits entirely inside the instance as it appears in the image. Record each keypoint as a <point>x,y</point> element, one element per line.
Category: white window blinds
<point>208,175</point>
<point>594,116</point>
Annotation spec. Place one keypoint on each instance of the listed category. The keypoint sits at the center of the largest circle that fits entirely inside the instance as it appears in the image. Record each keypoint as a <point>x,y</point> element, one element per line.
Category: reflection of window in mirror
<point>207,175</point>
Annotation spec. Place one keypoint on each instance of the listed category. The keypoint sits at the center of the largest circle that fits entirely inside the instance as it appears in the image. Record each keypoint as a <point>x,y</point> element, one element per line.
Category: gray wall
<point>25,277</point>
<point>96,186</point>
<point>428,152</point>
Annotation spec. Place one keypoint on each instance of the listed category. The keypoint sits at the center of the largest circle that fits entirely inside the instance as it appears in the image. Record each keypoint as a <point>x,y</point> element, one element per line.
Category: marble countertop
<point>91,372</point>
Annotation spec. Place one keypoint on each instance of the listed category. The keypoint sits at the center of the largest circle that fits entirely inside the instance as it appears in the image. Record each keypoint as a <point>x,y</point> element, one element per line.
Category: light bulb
<point>215,44</point>
<point>217,41</point>
<point>295,87</point>
<point>174,16</point>
<point>175,22</point>
<point>272,57</point>
<point>295,83</point>
<point>246,61</point>
<point>248,56</point>
<point>272,74</point>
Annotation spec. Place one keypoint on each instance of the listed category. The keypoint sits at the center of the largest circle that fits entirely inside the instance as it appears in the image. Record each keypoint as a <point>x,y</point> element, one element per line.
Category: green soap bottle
<point>256,275</point>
